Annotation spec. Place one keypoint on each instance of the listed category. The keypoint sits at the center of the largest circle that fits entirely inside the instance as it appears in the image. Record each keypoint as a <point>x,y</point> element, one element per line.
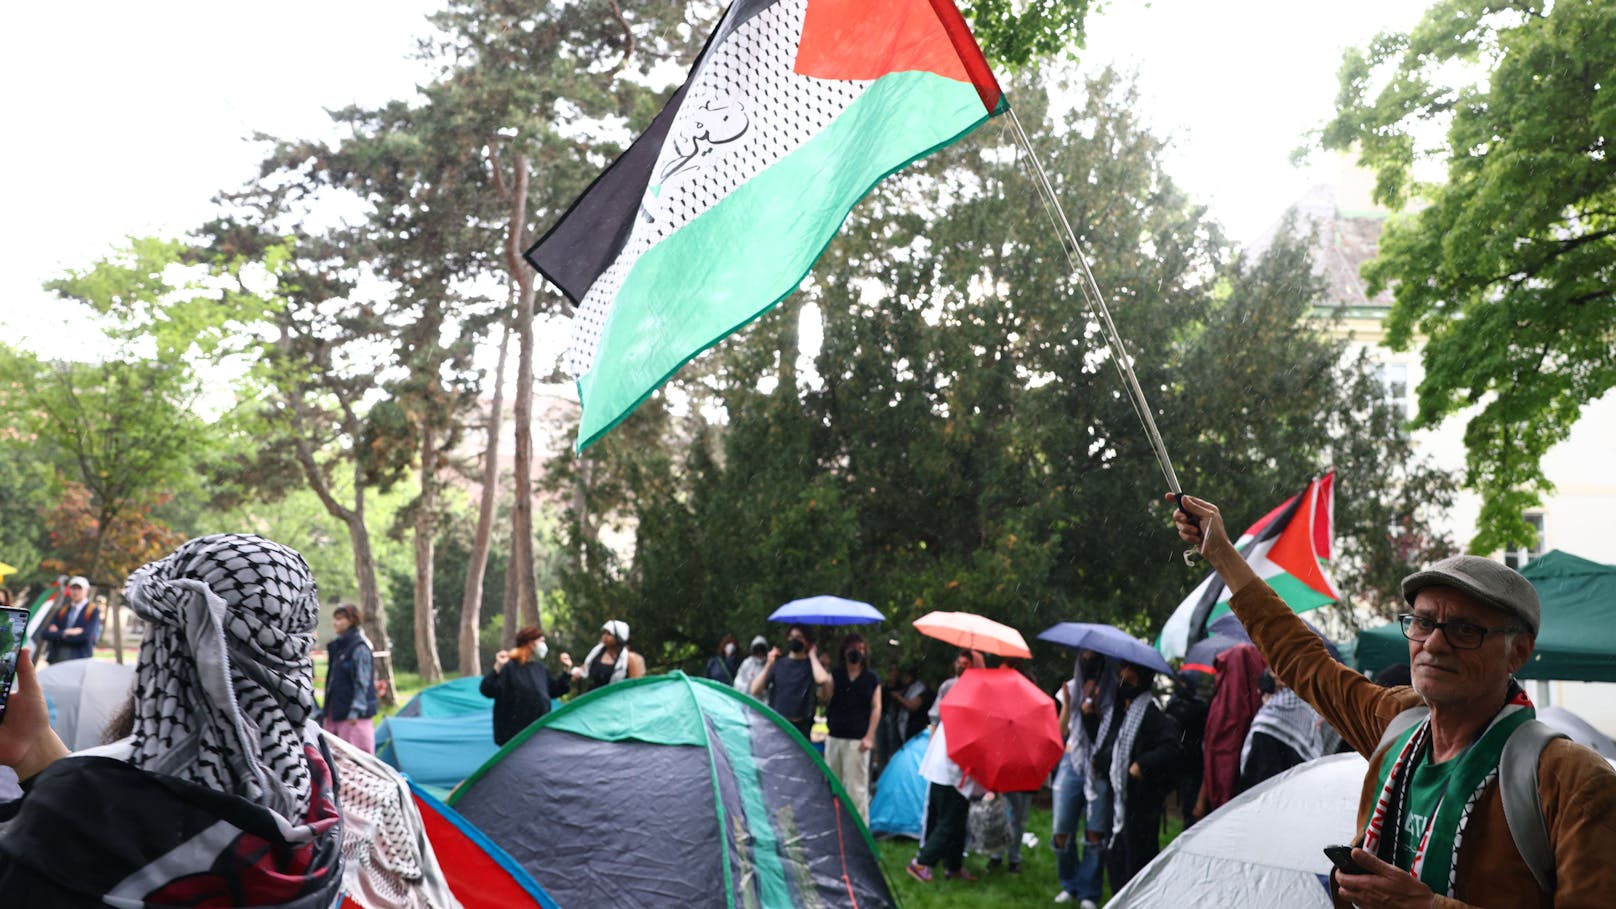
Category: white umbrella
<point>85,695</point>
<point>1264,848</point>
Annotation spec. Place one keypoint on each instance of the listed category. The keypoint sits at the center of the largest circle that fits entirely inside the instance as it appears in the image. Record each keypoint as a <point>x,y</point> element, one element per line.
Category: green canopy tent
<point>1578,638</point>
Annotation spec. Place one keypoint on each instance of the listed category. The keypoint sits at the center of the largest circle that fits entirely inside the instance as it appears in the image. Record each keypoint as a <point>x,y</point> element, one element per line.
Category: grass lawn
<point>1034,886</point>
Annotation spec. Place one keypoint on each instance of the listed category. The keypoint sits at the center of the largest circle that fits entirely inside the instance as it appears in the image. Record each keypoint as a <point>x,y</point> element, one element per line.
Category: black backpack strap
<point>1523,805</point>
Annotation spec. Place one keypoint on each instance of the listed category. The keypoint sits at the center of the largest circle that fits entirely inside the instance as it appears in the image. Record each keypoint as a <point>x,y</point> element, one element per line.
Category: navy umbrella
<point>1202,653</point>
<point>1108,640</point>
<point>826,610</point>
<point>1228,626</point>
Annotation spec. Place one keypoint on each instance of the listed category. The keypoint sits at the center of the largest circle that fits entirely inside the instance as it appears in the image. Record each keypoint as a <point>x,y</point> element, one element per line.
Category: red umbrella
<point>1001,729</point>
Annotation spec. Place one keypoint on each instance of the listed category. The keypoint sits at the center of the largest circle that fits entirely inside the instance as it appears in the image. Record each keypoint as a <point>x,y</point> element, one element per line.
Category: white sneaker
<point>1063,897</point>
<point>1087,904</point>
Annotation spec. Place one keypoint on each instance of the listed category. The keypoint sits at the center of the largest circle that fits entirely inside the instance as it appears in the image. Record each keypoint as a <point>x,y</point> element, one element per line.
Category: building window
<point>1395,375</point>
<point>1521,556</point>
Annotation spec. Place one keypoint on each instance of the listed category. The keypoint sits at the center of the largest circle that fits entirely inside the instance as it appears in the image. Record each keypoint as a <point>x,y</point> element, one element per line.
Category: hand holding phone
<point>1341,857</point>
<point>13,634</point>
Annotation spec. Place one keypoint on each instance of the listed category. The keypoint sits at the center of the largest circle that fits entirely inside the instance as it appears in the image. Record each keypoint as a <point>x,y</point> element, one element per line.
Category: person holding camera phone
<point>220,790</point>
<point>1433,832</point>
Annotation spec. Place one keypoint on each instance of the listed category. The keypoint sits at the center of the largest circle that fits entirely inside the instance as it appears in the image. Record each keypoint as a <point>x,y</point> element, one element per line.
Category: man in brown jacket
<point>1431,825</point>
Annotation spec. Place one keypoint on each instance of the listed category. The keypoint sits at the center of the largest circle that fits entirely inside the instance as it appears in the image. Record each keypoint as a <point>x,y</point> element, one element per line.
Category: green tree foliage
<point>124,430</point>
<point>1508,272</point>
<point>961,442</point>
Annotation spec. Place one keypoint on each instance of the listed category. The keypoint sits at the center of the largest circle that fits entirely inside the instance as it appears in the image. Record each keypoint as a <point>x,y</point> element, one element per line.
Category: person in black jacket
<point>350,684</point>
<point>521,686</point>
<point>1139,752</point>
<point>1189,709</point>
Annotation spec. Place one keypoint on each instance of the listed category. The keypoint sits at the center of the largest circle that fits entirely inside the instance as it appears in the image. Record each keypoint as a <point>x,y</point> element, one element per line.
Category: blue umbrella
<point>1106,639</point>
<point>1228,625</point>
<point>826,610</point>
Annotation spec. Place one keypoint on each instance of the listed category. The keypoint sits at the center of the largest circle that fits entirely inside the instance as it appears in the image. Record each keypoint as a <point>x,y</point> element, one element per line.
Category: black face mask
<point>760,652</point>
<point>1130,690</point>
<point>1092,667</point>
<point>854,657</point>
<point>798,645</point>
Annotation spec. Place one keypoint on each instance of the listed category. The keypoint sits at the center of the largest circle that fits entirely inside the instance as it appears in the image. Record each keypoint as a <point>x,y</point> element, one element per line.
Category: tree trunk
<point>508,635</point>
<point>471,605</point>
<point>370,597</point>
<point>426,637</point>
<point>522,513</point>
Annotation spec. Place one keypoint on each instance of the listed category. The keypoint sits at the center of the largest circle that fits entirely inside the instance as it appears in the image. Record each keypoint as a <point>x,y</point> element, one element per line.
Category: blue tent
<point>441,736</point>
<point>899,806</point>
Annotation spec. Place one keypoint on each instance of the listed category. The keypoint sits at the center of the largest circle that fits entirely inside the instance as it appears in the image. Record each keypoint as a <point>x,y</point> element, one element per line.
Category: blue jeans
<point>1079,870</point>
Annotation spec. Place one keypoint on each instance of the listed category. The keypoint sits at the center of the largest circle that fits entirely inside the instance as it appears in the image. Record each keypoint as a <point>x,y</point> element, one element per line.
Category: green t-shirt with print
<point>1424,794</point>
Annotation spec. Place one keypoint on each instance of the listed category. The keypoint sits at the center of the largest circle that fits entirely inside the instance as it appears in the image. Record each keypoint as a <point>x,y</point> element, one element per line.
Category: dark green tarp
<point>1578,637</point>
<point>678,792</point>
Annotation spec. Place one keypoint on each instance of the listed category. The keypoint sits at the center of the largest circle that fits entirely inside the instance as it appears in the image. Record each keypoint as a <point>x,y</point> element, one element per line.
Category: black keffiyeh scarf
<point>225,684</point>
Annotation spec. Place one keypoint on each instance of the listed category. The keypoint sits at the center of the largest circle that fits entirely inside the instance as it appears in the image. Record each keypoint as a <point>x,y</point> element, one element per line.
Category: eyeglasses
<point>1460,634</point>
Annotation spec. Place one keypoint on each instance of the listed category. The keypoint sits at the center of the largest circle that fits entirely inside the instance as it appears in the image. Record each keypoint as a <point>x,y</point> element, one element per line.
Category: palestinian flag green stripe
<point>689,291</point>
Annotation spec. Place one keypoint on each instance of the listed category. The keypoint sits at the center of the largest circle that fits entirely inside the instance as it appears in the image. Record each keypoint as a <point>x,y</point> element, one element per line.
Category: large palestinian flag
<point>1290,548</point>
<point>792,113</point>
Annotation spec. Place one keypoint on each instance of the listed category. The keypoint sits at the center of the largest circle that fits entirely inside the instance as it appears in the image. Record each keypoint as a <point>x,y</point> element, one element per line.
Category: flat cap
<point>1493,583</point>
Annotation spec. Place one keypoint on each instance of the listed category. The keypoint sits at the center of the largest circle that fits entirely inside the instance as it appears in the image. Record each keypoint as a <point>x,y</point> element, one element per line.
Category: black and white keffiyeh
<point>1120,760</point>
<point>224,688</point>
<point>1288,718</point>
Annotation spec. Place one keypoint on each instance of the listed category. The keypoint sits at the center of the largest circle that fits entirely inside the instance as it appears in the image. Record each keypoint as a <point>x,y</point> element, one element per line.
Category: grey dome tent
<point>1262,849</point>
<point>674,791</point>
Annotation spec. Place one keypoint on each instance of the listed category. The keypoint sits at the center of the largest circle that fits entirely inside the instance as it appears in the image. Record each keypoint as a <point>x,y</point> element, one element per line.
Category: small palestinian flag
<point>1290,548</point>
<point>792,113</point>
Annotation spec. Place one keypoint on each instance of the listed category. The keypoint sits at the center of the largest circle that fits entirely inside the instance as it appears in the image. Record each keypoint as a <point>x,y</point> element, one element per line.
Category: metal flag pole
<point>1098,309</point>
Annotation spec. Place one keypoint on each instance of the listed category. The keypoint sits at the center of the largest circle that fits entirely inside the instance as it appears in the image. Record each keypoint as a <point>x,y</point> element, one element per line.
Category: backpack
<point>1517,787</point>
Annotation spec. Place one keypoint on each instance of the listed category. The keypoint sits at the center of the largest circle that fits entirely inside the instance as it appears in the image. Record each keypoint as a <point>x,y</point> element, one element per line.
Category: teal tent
<point>441,736</point>
<point>1578,638</point>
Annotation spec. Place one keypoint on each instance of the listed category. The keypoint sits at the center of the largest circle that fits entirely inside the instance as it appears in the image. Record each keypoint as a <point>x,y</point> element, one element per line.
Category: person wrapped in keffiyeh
<point>223,794</point>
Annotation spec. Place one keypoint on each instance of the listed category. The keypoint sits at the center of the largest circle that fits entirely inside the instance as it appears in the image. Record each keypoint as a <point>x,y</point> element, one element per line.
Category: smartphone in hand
<point>1341,857</point>
<point>13,634</point>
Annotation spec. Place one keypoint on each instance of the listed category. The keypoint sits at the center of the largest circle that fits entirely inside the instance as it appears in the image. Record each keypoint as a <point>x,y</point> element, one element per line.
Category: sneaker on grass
<point>919,872</point>
<point>1063,897</point>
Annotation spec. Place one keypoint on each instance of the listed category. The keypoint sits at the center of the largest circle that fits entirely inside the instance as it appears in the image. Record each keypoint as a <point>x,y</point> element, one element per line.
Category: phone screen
<point>13,634</point>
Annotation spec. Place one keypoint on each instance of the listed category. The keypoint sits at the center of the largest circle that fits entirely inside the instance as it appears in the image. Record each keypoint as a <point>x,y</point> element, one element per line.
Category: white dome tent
<point>1264,848</point>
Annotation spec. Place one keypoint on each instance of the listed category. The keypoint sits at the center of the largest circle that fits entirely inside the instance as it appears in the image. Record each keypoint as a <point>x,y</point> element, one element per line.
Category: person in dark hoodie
<point>521,686</point>
<point>1139,753</point>
<point>350,687</point>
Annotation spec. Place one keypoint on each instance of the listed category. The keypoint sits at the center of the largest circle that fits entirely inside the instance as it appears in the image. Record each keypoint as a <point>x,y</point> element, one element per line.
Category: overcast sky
<point>128,118</point>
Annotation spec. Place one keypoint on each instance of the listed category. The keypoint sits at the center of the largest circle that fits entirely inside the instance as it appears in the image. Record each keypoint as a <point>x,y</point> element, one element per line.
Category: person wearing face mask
<point>1086,696</point>
<point>521,686</point>
<point>790,685</point>
<point>1138,754</point>
<point>852,716</point>
<point>752,666</point>
<point>722,665</point>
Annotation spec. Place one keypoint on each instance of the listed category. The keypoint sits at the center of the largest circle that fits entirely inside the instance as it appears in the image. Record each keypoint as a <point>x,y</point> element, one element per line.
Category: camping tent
<point>83,696</point>
<point>674,791</point>
<point>899,806</point>
<point>1578,639</point>
<point>1578,730</point>
<point>441,736</point>
<point>480,874</point>
<point>1263,848</point>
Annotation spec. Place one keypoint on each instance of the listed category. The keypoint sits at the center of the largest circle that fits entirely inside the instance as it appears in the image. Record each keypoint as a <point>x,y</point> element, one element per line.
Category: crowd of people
<point>221,733</point>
